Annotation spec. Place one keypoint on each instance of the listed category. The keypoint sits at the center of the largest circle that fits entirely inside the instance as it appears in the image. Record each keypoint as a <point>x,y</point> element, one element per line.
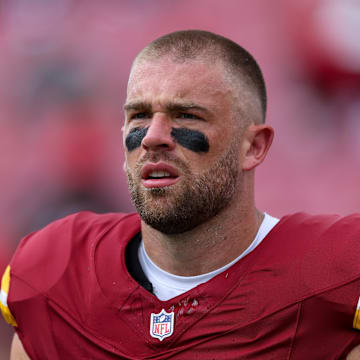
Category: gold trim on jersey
<point>356,322</point>
<point>5,286</point>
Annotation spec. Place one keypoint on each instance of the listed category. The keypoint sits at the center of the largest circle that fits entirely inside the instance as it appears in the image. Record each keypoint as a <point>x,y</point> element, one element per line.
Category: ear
<point>257,142</point>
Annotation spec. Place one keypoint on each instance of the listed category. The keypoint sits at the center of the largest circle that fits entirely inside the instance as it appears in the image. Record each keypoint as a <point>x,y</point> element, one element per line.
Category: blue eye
<point>188,116</point>
<point>141,115</point>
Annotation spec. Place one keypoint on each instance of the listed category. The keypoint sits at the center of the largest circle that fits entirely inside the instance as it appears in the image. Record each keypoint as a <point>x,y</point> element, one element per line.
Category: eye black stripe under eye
<point>191,139</point>
<point>135,137</point>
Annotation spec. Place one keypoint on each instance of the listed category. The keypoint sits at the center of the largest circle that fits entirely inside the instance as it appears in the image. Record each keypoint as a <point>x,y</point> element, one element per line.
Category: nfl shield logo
<point>162,325</point>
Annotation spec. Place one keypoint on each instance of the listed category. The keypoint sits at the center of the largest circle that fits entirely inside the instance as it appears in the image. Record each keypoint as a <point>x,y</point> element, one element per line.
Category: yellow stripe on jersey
<point>356,322</point>
<point>5,286</point>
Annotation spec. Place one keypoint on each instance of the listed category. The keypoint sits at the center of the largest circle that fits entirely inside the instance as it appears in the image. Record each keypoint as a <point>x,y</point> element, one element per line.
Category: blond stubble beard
<point>182,207</point>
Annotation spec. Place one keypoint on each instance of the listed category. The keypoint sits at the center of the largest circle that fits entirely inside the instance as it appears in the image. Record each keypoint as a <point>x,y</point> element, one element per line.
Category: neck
<point>207,247</point>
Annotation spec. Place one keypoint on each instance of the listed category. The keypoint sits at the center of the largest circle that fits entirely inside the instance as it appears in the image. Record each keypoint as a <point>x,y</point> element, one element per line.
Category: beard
<point>183,206</point>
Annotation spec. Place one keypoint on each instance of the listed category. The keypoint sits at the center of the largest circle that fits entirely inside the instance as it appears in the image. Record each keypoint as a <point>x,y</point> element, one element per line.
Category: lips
<point>157,175</point>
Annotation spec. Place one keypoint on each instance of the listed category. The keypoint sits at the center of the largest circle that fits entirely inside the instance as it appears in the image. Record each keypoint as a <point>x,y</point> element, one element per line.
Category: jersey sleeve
<point>46,284</point>
<point>42,258</point>
<point>37,263</point>
<point>5,286</point>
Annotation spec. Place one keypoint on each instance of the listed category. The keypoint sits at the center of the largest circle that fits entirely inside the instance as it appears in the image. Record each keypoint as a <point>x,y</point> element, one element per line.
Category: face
<point>182,144</point>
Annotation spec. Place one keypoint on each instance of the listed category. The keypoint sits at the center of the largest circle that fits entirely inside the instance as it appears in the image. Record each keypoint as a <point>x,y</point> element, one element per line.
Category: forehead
<point>162,80</point>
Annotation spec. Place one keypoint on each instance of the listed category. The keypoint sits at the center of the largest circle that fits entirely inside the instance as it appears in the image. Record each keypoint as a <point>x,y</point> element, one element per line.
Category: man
<point>201,274</point>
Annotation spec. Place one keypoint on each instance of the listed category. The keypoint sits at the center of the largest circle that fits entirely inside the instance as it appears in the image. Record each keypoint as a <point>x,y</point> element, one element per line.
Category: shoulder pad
<point>43,256</point>
<point>328,248</point>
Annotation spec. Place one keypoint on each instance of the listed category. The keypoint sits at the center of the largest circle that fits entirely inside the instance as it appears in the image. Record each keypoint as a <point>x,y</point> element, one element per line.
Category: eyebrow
<point>170,107</point>
<point>137,106</point>
<point>174,107</point>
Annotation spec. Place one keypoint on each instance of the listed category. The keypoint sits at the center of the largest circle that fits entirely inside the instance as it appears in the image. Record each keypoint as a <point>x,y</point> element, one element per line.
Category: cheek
<point>135,137</point>
<point>130,161</point>
<point>191,139</point>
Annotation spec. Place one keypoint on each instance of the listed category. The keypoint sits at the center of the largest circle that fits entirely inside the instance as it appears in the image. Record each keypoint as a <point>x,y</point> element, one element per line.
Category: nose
<point>158,136</point>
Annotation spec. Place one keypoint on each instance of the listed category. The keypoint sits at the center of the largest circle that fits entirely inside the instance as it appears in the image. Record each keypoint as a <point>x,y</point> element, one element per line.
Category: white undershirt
<point>166,286</point>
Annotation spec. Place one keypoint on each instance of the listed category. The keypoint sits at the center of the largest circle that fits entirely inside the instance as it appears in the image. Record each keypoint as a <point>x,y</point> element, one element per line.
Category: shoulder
<point>42,257</point>
<point>327,247</point>
<point>342,229</point>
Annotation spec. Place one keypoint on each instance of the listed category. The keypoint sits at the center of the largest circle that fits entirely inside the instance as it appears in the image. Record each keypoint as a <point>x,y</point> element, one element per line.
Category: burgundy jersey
<point>294,297</point>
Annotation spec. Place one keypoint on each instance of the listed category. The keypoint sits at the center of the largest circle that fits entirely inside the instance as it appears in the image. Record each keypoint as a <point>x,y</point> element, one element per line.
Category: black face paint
<point>135,137</point>
<point>191,139</point>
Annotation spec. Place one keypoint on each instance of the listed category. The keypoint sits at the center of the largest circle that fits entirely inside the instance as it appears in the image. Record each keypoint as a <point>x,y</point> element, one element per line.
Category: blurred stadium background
<point>63,73</point>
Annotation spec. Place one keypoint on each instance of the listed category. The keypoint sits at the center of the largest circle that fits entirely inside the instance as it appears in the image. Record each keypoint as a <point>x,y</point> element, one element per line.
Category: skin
<point>17,350</point>
<point>354,354</point>
<point>207,102</point>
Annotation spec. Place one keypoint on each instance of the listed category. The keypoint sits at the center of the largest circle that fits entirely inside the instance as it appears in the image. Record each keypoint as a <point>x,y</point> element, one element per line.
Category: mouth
<point>158,175</point>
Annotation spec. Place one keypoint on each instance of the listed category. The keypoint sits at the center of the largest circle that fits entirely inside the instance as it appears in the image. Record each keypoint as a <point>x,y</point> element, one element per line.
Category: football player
<point>198,272</point>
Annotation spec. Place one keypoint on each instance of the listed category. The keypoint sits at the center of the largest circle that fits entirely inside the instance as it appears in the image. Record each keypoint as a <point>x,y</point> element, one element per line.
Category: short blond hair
<point>182,46</point>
